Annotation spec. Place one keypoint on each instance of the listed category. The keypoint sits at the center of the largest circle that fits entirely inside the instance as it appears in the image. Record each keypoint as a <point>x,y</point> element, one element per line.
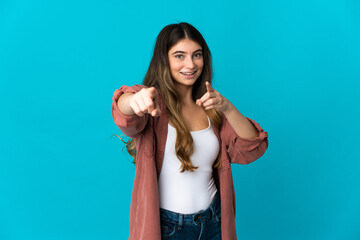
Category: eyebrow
<point>185,52</point>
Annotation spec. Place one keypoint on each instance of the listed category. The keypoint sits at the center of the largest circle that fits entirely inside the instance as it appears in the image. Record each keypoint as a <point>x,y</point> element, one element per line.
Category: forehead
<point>185,45</point>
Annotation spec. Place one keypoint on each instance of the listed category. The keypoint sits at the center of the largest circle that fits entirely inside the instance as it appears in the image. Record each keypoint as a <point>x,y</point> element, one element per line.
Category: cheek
<point>201,67</point>
<point>175,67</point>
<point>200,63</point>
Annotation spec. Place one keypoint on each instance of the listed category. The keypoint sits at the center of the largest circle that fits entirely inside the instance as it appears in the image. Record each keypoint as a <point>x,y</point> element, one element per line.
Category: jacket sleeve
<point>244,150</point>
<point>130,125</point>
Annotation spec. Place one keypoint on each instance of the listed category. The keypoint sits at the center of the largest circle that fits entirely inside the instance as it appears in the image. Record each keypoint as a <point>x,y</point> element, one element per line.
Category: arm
<point>245,140</point>
<point>130,125</point>
<point>241,125</point>
<point>123,104</point>
<point>240,149</point>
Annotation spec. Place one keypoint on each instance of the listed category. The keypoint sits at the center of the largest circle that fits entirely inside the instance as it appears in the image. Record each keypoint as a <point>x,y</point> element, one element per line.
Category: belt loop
<point>214,205</point>
<point>212,211</point>
<point>181,216</point>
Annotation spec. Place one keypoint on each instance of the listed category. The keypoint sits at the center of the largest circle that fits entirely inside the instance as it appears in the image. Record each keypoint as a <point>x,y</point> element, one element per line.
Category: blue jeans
<point>203,225</point>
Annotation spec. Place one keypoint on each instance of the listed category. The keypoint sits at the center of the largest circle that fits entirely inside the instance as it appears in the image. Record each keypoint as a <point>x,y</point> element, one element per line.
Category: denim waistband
<point>200,216</point>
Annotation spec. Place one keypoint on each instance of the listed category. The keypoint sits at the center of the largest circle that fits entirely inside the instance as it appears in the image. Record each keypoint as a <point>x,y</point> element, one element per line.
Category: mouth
<point>189,74</point>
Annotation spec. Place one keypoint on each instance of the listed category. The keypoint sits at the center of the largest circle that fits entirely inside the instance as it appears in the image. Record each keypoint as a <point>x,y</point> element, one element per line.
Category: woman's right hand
<point>145,101</point>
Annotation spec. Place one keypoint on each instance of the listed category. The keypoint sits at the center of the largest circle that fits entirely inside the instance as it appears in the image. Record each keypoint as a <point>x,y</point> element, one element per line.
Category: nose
<point>189,63</point>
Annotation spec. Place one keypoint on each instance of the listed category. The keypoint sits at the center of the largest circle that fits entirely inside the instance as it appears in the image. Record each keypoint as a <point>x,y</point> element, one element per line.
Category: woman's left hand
<point>213,99</point>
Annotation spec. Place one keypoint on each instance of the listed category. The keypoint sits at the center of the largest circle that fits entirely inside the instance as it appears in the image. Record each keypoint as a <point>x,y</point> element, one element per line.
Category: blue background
<point>292,66</point>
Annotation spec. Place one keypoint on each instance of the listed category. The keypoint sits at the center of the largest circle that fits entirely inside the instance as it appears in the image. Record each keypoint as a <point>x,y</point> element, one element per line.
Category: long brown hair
<point>159,76</point>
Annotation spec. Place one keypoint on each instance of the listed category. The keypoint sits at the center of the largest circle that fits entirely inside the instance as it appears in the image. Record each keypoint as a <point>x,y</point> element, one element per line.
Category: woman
<point>184,136</point>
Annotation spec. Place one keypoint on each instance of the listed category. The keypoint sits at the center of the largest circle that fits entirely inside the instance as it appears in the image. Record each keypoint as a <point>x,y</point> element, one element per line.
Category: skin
<point>186,56</point>
<point>241,125</point>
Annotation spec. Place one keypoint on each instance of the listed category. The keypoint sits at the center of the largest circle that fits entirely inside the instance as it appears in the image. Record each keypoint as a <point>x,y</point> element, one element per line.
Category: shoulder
<point>133,88</point>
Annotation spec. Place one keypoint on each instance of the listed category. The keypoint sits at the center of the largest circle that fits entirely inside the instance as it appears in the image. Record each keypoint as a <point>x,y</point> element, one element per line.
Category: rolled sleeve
<point>245,150</point>
<point>130,125</point>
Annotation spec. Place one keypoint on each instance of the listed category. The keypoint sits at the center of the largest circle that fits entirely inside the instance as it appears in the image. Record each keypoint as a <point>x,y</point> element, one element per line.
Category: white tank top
<point>189,192</point>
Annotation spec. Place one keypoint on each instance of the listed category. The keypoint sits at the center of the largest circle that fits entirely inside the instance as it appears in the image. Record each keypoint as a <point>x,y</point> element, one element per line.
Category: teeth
<point>188,73</point>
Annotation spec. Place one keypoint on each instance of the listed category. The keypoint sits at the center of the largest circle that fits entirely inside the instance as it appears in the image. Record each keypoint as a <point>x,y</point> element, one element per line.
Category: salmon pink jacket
<point>149,134</point>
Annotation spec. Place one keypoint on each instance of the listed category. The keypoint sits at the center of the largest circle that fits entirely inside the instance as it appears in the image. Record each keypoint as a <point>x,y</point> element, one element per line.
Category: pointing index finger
<point>209,88</point>
<point>155,110</point>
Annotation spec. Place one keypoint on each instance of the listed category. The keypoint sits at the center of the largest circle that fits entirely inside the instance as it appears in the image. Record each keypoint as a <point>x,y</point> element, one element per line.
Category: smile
<point>188,73</point>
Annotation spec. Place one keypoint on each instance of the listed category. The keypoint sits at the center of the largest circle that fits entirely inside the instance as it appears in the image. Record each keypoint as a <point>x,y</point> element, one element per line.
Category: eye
<point>179,56</point>
<point>198,55</point>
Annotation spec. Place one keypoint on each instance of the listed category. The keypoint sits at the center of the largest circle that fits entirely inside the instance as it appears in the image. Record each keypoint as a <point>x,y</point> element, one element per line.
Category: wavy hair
<point>159,76</point>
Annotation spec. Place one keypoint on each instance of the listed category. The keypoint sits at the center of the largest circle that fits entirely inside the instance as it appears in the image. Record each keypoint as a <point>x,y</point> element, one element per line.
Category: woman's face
<point>186,62</point>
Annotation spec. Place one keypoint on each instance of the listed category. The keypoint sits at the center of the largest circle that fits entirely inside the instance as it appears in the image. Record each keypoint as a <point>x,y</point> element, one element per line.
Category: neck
<point>185,93</point>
